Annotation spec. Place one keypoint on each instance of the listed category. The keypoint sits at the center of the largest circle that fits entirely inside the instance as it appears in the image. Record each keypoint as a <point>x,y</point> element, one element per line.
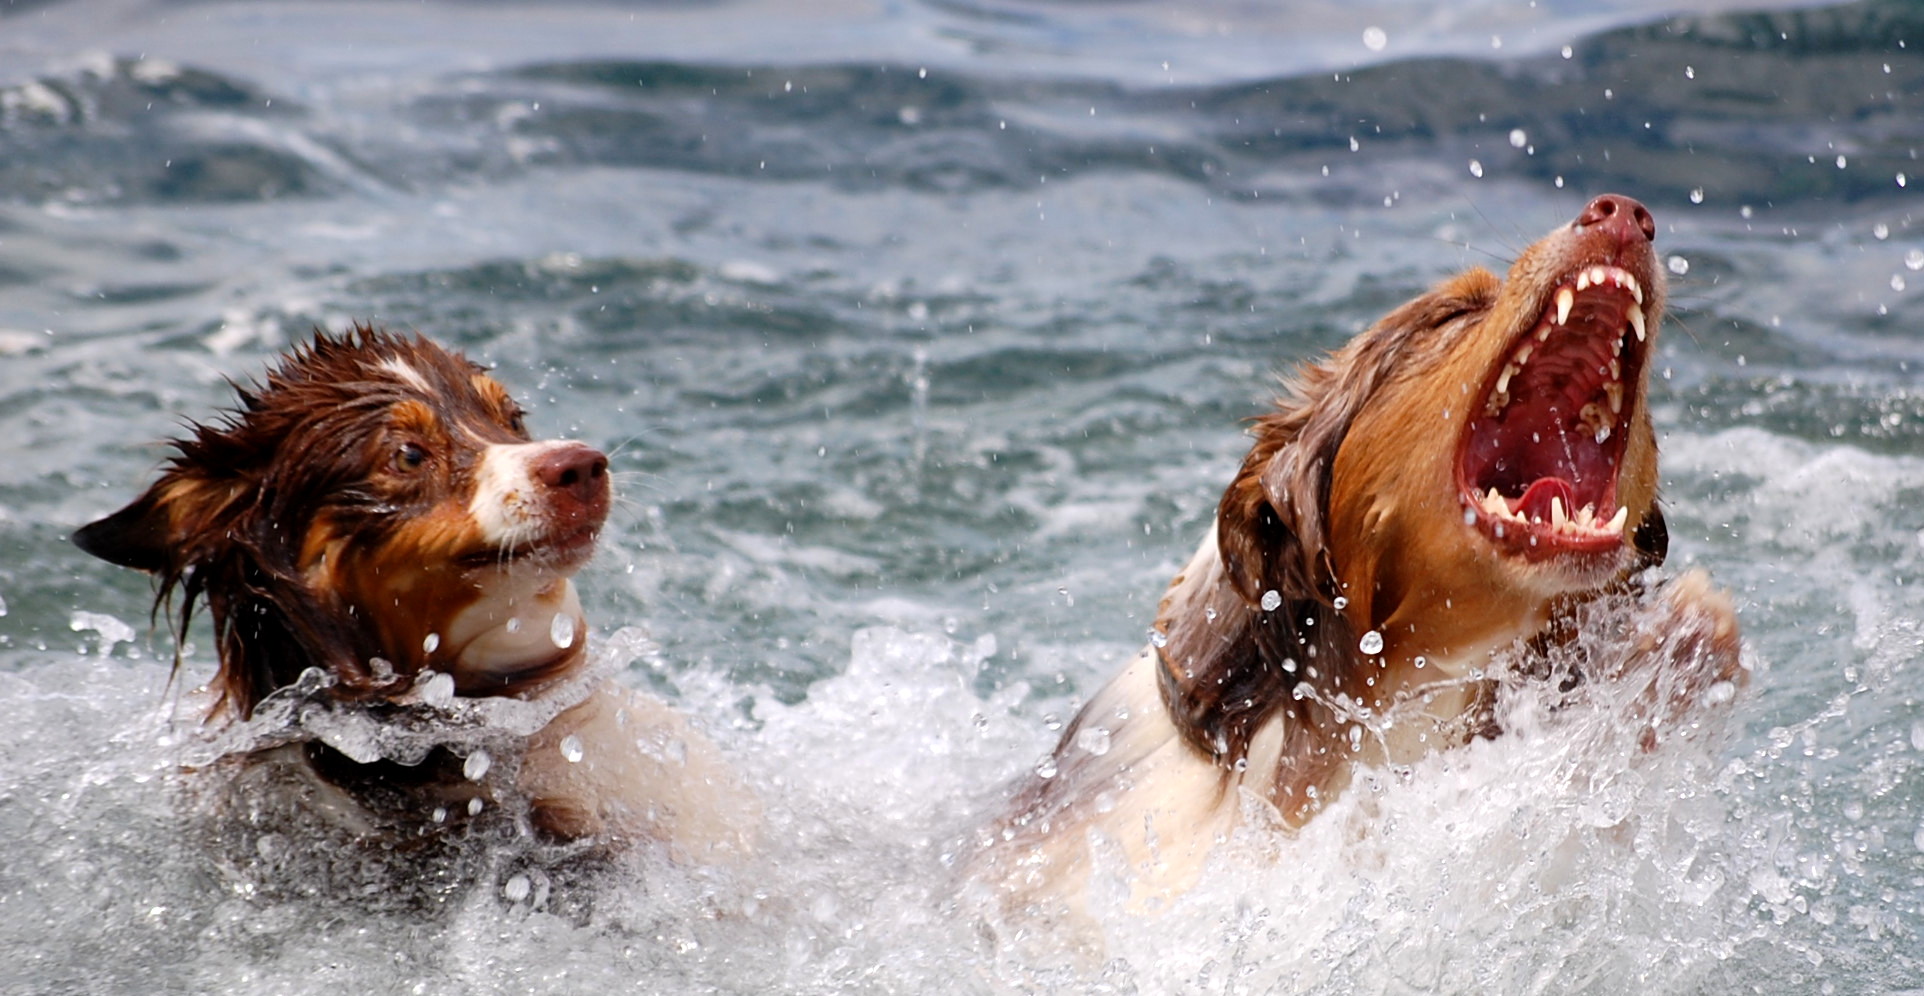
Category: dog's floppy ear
<point>1236,643</point>
<point>136,536</point>
<point>152,533</point>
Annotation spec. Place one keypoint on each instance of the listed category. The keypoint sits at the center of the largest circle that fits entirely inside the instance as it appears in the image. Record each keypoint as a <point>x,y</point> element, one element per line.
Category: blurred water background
<point>921,333</point>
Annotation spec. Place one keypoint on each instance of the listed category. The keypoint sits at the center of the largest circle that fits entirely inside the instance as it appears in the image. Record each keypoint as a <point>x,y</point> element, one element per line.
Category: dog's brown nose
<point>578,469</point>
<point>1621,216</point>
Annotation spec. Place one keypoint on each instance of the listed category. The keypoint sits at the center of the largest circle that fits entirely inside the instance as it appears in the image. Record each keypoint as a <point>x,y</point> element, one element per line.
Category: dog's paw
<point>1689,645</point>
<point>1698,631</point>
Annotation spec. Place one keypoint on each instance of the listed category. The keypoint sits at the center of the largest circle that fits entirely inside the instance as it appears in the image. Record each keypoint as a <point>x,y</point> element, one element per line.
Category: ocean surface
<point>921,334</point>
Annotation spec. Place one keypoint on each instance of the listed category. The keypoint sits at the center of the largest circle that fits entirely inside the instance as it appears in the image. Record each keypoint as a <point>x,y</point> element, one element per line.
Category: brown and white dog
<point>1451,490</point>
<point>376,510</point>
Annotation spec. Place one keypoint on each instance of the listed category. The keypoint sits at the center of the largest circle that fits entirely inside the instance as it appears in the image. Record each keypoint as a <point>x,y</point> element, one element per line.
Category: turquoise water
<point>921,336</point>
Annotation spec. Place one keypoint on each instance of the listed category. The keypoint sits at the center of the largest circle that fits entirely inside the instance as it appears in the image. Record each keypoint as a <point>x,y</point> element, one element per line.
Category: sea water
<point>920,337</point>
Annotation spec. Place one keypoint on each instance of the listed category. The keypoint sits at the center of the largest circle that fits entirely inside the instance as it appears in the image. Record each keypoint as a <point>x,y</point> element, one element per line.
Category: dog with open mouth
<point>374,532</point>
<point>1435,506</point>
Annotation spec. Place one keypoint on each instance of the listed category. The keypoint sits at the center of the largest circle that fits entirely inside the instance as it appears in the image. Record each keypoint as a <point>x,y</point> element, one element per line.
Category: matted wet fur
<point>1441,495</point>
<point>387,556</point>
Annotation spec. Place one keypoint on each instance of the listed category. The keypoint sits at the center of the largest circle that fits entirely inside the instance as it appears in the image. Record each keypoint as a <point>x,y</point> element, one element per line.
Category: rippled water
<point>921,335</point>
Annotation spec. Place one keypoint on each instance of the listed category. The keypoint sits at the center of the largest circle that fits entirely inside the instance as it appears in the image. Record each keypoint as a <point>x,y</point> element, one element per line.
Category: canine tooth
<point>1583,280</point>
<point>1566,299</point>
<point>1523,354</point>
<point>1503,379</point>
<point>1636,289</point>
<point>1613,392</point>
<point>1616,522</point>
<point>1636,321</point>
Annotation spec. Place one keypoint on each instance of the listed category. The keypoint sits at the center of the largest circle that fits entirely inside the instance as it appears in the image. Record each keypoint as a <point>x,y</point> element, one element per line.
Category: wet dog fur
<point>376,514</point>
<point>1453,485</point>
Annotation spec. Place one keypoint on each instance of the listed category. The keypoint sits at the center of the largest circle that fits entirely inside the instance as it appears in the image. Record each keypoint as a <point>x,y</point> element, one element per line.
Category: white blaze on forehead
<point>507,504</point>
<point>409,376</point>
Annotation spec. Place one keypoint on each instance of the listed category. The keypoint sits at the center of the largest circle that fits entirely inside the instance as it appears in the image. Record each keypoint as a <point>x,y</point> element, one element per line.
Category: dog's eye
<point>517,423</point>
<point>410,457</point>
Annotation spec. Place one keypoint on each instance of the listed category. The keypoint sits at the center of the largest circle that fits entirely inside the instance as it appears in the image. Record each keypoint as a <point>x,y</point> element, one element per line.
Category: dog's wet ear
<point>154,532</point>
<point>139,536</point>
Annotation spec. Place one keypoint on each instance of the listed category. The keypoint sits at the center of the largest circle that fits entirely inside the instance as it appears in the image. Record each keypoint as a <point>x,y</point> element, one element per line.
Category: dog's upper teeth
<point>1566,299</point>
<point>1616,522</point>
<point>1557,519</point>
<point>1503,379</point>
<point>1629,280</point>
<point>1613,392</point>
<point>1583,280</point>
<point>1636,321</point>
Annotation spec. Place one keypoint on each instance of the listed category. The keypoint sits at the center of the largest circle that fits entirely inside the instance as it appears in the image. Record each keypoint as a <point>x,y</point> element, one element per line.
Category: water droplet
<point>431,644</point>
<point>476,766</point>
<point>1519,138</point>
<point>440,814</point>
<point>437,689</point>
<point>1917,839</point>
<point>571,748</point>
<point>1371,643</point>
<point>1897,281</point>
<point>1880,231</point>
<point>1696,195</point>
<point>1841,162</point>
<point>1271,599</point>
<point>517,888</point>
<point>1355,738</point>
<point>474,806</point>
<point>1047,769</point>
<point>1158,639</point>
<point>380,669</point>
<point>1678,265</point>
<point>1094,740</point>
<point>561,630</point>
<point>1690,72</point>
<point>3,606</point>
<point>1375,38</point>
<point>513,625</point>
<point>1422,662</point>
<point>1913,260</point>
<point>1917,728</point>
<point>1476,168</point>
<point>1339,603</point>
<point>1901,179</point>
<point>1354,145</point>
<point>1567,52</point>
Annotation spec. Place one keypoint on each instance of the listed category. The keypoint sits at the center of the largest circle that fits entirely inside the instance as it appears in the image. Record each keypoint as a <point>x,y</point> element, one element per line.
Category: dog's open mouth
<point>1539,461</point>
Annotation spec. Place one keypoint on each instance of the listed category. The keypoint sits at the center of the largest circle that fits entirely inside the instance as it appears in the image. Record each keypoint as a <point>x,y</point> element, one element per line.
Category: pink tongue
<point>1535,503</point>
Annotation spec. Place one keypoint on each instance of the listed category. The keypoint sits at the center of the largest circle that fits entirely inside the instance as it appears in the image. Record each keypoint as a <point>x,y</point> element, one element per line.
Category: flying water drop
<point>1371,643</point>
<point>1094,740</point>
<point>1271,599</point>
<point>476,766</point>
<point>571,748</point>
<point>561,630</point>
